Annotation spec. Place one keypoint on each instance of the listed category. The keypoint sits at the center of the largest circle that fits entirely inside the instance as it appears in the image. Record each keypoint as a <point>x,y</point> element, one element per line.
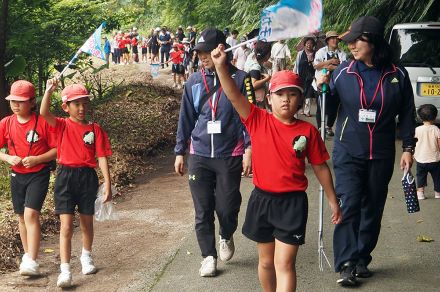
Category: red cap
<point>21,90</point>
<point>73,91</point>
<point>180,46</point>
<point>285,79</point>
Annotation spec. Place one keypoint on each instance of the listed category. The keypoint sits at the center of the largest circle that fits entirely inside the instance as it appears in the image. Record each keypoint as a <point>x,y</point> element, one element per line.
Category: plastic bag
<point>409,189</point>
<point>104,211</point>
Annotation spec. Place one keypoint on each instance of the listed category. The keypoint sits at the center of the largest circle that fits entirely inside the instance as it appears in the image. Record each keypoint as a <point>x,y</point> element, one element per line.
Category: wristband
<point>408,149</point>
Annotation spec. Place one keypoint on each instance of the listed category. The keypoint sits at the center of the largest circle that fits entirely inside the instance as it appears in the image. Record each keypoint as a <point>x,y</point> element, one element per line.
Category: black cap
<point>364,24</point>
<point>209,39</point>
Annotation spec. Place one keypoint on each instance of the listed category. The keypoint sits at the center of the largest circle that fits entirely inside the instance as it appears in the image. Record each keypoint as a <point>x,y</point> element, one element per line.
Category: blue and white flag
<point>93,45</point>
<point>290,19</point>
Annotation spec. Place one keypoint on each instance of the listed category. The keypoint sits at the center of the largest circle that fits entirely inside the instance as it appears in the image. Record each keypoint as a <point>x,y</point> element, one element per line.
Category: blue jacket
<point>107,48</point>
<point>192,127</point>
<point>394,99</point>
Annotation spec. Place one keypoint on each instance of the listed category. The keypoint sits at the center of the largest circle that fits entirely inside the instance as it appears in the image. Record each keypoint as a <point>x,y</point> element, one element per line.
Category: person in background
<point>329,58</point>
<point>107,50</point>
<point>280,54</point>
<point>372,93</point>
<point>241,54</point>
<point>134,49</point>
<point>427,152</point>
<point>304,68</point>
<point>254,65</point>
<point>180,35</point>
<point>232,40</point>
<point>191,36</point>
<point>165,46</point>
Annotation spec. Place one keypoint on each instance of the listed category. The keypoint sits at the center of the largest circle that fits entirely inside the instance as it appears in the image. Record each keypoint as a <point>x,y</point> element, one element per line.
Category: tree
<point>3,37</point>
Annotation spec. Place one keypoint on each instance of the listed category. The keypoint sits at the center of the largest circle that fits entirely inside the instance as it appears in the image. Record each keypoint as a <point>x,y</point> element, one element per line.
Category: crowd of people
<point>240,115</point>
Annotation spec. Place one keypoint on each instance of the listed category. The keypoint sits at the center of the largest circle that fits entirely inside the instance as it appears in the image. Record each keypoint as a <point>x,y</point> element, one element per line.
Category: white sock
<point>86,252</point>
<point>65,267</point>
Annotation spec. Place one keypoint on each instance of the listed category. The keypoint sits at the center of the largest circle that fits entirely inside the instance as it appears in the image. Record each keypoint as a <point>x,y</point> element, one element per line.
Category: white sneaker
<point>226,248</point>
<point>87,265</point>
<point>29,267</point>
<point>209,267</point>
<point>421,195</point>
<point>437,195</point>
<point>64,279</point>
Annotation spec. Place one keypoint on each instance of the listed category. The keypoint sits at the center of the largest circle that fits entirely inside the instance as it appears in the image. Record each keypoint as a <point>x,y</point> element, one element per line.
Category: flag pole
<point>240,44</point>
<point>70,62</point>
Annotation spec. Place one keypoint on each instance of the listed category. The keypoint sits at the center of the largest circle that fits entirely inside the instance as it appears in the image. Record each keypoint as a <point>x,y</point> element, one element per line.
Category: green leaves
<point>15,67</point>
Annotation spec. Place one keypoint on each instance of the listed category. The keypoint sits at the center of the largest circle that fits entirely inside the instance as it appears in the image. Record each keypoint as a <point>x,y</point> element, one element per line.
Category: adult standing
<point>107,50</point>
<point>154,46</point>
<point>165,46</point>
<point>328,57</point>
<point>372,93</point>
<point>232,40</point>
<point>241,54</point>
<point>180,35</point>
<point>280,53</point>
<point>304,68</point>
<point>215,134</point>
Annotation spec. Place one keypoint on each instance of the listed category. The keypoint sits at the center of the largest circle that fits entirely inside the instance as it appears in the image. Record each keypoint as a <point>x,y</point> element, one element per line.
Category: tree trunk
<point>4,107</point>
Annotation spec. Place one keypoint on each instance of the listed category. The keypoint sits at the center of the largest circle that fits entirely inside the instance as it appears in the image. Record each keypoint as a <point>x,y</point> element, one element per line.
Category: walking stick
<point>321,253</point>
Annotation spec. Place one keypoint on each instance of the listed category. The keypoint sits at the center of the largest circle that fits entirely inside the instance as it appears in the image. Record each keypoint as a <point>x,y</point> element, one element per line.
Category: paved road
<point>400,263</point>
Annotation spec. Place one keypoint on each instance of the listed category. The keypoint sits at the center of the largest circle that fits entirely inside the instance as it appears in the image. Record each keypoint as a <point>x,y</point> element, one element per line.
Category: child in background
<point>79,143</point>
<point>277,211</point>
<point>134,47</point>
<point>176,58</point>
<point>30,146</point>
<point>427,151</point>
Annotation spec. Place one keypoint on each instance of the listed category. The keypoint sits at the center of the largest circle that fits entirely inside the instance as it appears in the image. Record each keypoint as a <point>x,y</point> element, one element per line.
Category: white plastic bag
<point>104,211</point>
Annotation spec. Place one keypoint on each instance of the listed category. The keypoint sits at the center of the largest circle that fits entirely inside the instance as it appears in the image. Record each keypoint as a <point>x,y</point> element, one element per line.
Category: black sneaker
<point>347,275</point>
<point>362,271</point>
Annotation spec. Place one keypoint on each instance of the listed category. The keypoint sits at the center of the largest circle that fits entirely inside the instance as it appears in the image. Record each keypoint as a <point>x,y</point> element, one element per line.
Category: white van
<point>417,45</point>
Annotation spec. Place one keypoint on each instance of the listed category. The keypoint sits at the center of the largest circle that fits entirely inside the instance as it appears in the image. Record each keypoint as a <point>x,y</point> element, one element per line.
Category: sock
<point>85,252</point>
<point>65,267</point>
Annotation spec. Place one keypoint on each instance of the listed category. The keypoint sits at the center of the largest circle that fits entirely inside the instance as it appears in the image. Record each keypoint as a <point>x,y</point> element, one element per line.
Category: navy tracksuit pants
<point>361,187</point>
<point>215,187</point>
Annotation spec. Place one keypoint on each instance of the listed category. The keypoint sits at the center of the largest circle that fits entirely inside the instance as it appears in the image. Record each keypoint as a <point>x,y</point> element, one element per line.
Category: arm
<point>260,83</point>
<point>12,160</point>
<point>31,161</point>
<point>45,103</point>
<point>240,103</point>
<point>324,176</point>
<point>103,165</point>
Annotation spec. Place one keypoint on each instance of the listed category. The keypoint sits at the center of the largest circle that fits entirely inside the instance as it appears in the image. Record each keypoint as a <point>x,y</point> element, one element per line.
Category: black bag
<point>409,189</point>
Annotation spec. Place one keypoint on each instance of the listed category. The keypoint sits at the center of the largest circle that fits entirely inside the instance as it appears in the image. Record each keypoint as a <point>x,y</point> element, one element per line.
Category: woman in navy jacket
<point>372,93</point>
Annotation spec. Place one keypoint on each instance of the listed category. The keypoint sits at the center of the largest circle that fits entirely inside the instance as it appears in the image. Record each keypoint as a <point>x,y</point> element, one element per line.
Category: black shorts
<point>144,51</point>
<point>29,190</point>
<point>422,173</point>
<point>178,69</point>
<point>75,186</point>
<point>270,216</point>
<point>135,50</point>
<point>124,50</point>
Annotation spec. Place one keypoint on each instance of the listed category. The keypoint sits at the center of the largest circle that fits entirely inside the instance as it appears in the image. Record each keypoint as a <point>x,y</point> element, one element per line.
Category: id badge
<point>367,116</point>
<point>214,127</point>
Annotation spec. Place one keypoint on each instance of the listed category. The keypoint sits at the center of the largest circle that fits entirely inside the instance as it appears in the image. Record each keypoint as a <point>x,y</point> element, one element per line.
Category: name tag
<point>367,116</point>
<point>214,127</point>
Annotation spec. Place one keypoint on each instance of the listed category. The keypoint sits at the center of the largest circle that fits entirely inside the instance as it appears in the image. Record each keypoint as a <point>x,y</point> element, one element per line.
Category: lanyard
<point>363,97</point>
<point>219,92</point>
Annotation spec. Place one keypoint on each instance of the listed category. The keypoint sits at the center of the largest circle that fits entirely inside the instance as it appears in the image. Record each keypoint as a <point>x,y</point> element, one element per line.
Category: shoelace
<point>224,243</point>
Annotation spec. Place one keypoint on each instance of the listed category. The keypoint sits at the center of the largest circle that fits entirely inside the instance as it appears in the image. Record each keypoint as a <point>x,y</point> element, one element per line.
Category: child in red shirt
<point>31,146</point>
<point>176,57</point>
<point>79,142</point>
<point>277,210</point>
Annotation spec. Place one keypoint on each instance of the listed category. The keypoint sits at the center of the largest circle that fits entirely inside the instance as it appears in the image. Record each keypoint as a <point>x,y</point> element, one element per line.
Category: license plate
<point>430,89</point>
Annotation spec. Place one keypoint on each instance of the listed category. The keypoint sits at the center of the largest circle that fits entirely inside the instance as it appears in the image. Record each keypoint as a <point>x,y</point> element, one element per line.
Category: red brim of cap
<point>349,36</point>
<point>17,98</point>
<point>284,86</point>
<point>74,98</point>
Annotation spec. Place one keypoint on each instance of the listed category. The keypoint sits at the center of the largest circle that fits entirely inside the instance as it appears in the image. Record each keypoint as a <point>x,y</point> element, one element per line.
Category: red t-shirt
<point>277,166</point>
<point>134,42</point>
<point>177,56</point>
<point>122,43</point>
<point>21,135</point>
<point>79,144</point>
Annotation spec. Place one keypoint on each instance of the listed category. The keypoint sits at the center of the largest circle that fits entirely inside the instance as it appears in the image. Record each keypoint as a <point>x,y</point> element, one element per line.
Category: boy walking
<point>79,142</point>
<point>277,211</point>
<point>211,129</point>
